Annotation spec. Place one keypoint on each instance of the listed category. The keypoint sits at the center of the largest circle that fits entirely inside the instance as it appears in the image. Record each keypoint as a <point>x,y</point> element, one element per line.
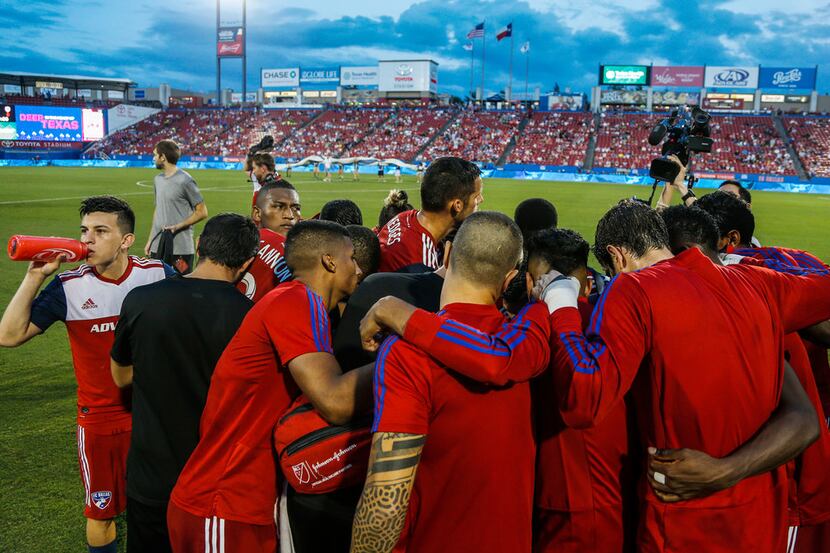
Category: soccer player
<point>355,171</point>
<point>224,498</point>
<point>366,250</point>
<point>641,328</point>
<point>438,437</point>
<point>178,206</point>
<point>535,214</point>
<point>342,212</point>
<point>276,212</point>
<point>166,347</point>
<point>88,301</point>
<point>450,192</point>
<point>381,177</point>
<point>419,172</point>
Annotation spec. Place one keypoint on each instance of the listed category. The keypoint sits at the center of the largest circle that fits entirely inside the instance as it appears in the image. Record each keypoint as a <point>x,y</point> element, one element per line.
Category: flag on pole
<point>525,48</point>
<point>477,32</point>
<point>505,33</point>
<point>468,46</point>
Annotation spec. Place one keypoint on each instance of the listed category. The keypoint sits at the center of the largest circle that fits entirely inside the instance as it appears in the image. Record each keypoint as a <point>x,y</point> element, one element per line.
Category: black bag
<point>164,252</point>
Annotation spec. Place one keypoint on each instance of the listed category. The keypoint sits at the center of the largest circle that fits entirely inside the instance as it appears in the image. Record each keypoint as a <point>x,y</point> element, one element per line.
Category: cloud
<point>151,42</point>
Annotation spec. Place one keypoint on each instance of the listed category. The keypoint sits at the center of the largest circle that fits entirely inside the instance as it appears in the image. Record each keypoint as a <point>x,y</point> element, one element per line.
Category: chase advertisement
<point>788,78</point>
<point>50,124</point>
<point>730,76</point>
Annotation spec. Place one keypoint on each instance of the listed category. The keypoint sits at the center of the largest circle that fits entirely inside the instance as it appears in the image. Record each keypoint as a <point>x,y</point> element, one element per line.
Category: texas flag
<point>506,32</point>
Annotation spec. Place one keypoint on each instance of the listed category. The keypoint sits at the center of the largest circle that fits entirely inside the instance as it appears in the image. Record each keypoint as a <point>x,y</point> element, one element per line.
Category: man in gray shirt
<point>179,206</point>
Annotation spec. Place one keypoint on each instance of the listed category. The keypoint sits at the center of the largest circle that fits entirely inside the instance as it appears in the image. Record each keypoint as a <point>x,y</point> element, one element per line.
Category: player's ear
<point>528,282</point>
<point>328,263</point>
<point>734,238</point>
<point>508,278</point>
<point>618,258</point>
<point>256,215</point>
<point>127,241</point>
<point>456,207</point>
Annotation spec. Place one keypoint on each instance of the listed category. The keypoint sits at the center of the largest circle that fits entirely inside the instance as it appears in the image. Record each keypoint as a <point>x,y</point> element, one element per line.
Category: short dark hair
<point>110,204</point>
<point>308,240</point>
<point>689,227</point>
<point>562,249</point>
<point>228,239</point>
<point>366,248</point>
<point>515,296</point>
<point>743,192</point>
<point>488,245</point>
<point>343,212</point>
<point>169,149</point>
<point>535,214</point>
<point>281,184</point>
<point>267,160</point>
<point>632,225</point>
<point>730,213</point>
<point>396,202</point>
<point>447,179</point>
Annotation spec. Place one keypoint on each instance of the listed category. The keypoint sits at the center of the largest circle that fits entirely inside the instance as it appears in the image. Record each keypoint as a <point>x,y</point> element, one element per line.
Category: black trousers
<point>147,528</point>
<point>322,522</point>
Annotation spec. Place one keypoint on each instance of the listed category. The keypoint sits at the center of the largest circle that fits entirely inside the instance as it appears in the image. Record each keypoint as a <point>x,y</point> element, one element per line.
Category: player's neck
<point>650,258</point>
<point>457,290</point>
<point>320,285</point>
<point>170,170</point>
<point>208,270</point>
<point>437,224</point>
<point>116,268</point>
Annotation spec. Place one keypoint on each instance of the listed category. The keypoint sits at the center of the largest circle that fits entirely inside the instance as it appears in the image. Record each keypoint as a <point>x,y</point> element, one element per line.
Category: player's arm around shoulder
<point>16,326</point>
<point>381,512</point>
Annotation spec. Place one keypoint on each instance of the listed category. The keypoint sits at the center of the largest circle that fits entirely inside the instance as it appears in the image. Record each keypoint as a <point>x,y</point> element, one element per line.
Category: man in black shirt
<point>168,340</point>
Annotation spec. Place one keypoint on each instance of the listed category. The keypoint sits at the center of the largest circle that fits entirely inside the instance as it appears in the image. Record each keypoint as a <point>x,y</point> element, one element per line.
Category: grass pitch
<point>41,491</point>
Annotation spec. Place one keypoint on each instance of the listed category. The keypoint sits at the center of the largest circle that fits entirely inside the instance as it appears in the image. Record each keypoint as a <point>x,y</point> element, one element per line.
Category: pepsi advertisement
<point>787,78</point>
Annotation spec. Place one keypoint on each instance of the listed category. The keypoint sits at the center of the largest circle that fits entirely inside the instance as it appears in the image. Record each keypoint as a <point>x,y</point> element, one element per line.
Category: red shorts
<point>102,459</point>
<point>194,534</point>
<point>813,539</point>
<point>597,531</point>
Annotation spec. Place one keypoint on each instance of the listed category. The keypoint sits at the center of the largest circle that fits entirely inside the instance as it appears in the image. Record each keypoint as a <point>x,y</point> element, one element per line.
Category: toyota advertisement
<point>679,75</point>
<point>729,76</point>
<point>408,76</point>
<point>51,124</point>
<point>801,78</point>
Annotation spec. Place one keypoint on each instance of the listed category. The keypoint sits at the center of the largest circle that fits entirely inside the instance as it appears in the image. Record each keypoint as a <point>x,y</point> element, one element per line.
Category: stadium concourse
<point>765,144</point>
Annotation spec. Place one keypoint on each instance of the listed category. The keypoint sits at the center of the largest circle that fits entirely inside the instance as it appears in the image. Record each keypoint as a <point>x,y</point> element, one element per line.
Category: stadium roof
<point>73,81</point>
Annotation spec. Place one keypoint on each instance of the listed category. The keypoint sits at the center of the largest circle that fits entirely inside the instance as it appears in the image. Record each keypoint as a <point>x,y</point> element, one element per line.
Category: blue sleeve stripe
<point>489,351</point>
<point>312,306</point>
<point>808,261</point>
<point>582,363</point>
<point>378,380</point>
<point>478,338</point>
<point>596,318</point>
<point>323,324</point>
<point>516,335</point>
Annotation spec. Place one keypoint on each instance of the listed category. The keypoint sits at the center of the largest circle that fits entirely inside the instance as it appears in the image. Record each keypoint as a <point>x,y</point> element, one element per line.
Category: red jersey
<point>232,473</point>
<point>89,304</point>
<point>684,395</point>
<point>268,268</point>
<point>810,496</point>
<point>405,245</point>
<point>474,487</point>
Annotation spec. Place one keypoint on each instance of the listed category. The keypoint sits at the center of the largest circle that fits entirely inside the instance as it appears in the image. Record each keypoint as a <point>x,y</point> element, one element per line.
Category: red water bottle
<point>45,248</point>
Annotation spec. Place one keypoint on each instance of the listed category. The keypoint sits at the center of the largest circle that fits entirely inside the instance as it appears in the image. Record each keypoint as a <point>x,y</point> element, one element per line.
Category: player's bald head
<point>487,247</point>
<point>309,240</point>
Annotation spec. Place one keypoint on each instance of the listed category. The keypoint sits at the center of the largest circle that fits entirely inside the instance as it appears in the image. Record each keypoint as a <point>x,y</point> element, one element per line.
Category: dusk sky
<point>152,42</point>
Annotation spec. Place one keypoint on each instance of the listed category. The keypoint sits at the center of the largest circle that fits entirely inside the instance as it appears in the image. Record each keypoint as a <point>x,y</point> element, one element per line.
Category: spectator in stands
<point>343,212</point>
<point>178,206</point>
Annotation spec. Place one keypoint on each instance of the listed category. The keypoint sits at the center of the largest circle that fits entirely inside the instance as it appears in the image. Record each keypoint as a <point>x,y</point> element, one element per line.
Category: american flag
<point>477,32</point>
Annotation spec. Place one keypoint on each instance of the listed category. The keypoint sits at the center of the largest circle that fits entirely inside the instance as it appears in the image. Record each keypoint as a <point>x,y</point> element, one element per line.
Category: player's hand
<point>556,290</point>
<point>389,314</point>
<point>43,269</point>
<point>172,228</point>
<point>682,474</point>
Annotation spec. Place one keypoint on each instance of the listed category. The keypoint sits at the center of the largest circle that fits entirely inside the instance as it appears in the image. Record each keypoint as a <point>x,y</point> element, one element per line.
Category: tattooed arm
<point>381,512</point>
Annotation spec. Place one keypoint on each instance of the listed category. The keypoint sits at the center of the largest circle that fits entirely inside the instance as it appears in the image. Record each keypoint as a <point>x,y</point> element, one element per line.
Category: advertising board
<point>363,75</point>
<point>680,75</point>
<point>49,124</point>
<point>320,75</point>
<point>407,76</point>
<point>289,76</point>
<point>623,74</point>
<point>230,42</point>
<point>730,76</point>
<point>788,78</point>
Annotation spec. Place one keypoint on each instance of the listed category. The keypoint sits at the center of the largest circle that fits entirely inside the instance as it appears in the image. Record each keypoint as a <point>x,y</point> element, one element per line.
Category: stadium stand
<point>746,144</point>
<point>622,141</point>
<point>810,137</point>
<point>403,134</point>
<point>334,132</point>
<point>477,136</point>
<point>554,138</point>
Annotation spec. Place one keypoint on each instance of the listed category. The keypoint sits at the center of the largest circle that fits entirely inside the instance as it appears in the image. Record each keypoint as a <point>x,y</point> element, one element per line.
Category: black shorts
<point>147,527</point>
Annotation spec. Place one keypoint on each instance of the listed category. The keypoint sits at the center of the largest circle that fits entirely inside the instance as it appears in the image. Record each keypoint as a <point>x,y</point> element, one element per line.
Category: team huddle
<point>451,380</point>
